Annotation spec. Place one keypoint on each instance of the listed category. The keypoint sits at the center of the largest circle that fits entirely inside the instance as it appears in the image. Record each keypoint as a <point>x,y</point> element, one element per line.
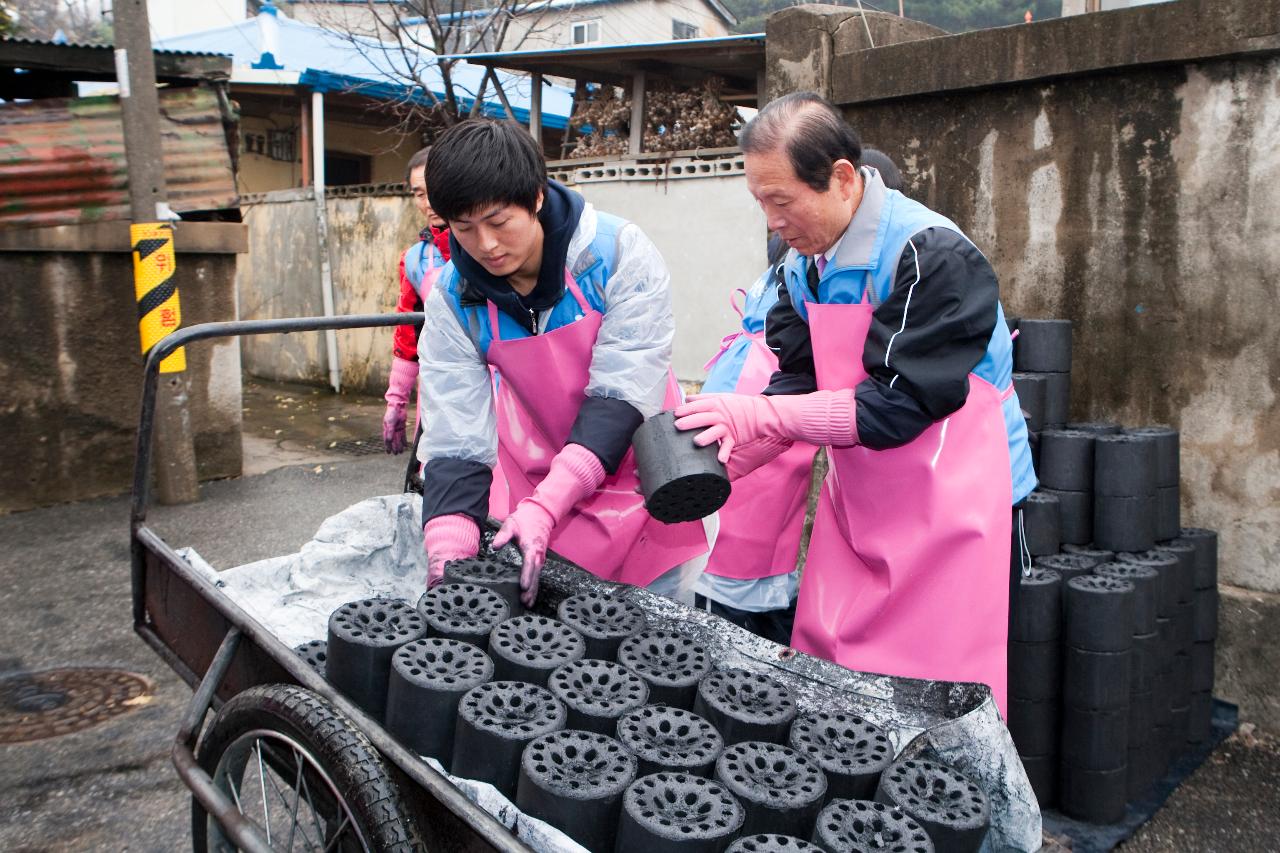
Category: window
<point>681,30</point>
<point>586,32</point>
<point>344,170</point>
<point>280,145</point>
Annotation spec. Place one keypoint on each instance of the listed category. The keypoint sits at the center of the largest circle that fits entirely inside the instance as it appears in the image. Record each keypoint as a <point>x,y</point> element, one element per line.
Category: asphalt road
<point>65,602</point>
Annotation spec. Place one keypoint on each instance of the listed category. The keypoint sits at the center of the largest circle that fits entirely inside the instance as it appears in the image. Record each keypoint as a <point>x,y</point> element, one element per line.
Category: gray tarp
<point>374,548</point>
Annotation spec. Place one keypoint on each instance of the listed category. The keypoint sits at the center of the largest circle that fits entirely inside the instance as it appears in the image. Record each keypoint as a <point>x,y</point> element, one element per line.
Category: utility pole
<point>901,12</point>
<point>151,238</point>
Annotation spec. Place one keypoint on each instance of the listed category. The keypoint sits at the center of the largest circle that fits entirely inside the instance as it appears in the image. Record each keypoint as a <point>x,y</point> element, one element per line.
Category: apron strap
<point>733,302</point>
<point>569,282</point>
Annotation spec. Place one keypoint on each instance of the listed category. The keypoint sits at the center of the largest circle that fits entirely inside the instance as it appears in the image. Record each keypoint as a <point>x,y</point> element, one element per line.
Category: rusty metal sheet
<point>62,159</point>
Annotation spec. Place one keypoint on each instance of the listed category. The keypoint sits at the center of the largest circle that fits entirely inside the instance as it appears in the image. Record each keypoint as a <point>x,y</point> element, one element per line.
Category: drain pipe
<point>322,236</point>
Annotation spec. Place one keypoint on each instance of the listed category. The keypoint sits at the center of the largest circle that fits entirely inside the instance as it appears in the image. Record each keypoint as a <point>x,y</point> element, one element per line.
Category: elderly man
<point>894,354</point>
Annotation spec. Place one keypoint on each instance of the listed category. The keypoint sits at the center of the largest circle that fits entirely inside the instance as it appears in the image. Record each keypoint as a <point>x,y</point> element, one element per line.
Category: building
<point>1079,7</point>
<point>295,82</point>
<point>578,23</point>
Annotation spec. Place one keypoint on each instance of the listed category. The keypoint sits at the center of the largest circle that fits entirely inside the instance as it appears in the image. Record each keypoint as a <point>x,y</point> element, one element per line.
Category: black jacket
<point>952,293</point>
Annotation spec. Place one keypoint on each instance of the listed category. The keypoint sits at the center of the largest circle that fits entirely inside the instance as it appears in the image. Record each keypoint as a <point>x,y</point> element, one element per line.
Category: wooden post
<point>304,140</point>
<point>637,114</point>
<point>176,480</point>
<point>535,110</point>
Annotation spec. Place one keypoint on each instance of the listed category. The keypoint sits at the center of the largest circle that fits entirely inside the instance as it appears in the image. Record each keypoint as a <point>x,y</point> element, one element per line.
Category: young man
<point>571,307</point>
<point>419,265</point>
<point>893,353</point>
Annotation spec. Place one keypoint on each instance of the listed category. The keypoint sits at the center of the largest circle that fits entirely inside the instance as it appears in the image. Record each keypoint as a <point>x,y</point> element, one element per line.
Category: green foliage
<point>954,16</point>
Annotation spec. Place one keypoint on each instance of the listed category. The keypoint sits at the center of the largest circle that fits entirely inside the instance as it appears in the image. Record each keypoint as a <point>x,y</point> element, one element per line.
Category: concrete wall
<point>712,235</point>
<point>1120,170</point>
<point>282,279</point>
<point>281,276</point>
<point>71,369</point>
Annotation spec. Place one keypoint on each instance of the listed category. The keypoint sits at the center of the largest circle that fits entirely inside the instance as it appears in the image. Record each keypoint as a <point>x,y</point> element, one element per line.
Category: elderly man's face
<point>810,221</point>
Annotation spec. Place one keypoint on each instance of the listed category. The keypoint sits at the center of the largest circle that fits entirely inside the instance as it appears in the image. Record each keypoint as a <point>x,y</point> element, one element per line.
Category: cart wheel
<point>301,772</point>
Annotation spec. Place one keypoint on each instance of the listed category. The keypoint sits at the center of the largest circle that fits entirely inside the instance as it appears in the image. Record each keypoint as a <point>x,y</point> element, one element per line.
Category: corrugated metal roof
<point>62,159</point>
<point>87,45</point>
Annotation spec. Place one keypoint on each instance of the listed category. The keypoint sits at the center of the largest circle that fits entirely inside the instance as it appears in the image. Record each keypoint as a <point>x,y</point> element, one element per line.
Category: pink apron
<point>499,500</point>
<point>761,523</point>
<point>542,383</point>
<point>907,572</point>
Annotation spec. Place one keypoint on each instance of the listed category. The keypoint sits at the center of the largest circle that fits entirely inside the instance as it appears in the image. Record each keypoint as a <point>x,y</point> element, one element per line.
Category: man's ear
<point>537,208</point>
<point>844,178</point>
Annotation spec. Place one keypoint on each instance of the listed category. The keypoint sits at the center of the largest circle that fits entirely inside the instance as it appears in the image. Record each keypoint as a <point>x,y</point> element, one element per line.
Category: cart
<point>287,762</point>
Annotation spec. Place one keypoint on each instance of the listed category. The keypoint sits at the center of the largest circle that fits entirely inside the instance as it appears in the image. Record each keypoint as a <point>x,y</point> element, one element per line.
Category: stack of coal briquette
<point>1107,507</point>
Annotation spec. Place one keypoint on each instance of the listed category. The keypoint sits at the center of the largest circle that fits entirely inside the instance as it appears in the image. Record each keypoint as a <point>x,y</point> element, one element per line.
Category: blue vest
<point>419,258</point>
<point>592,269</point>
<point>723,375</point>
<point>870,277</point>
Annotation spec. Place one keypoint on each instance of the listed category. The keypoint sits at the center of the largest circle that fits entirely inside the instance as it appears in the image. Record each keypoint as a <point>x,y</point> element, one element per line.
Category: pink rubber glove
<point>404,374</point>
<point>575,474</point>
<point>447,538</point>
<point>734,420</point>
<point>747,457</point>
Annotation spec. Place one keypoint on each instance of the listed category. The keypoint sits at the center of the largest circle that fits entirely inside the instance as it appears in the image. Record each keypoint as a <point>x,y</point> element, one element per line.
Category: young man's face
<point>503,238</point>
<point>810,221</point>
<point>418,183</point>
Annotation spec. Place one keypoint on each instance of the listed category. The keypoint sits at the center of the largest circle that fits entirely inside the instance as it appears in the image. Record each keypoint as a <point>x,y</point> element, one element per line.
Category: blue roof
<point>332,61</point>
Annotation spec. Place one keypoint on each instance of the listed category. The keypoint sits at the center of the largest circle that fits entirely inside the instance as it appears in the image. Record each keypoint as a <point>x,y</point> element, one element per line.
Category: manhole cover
<point>52,702</point>
<point>357,446</point>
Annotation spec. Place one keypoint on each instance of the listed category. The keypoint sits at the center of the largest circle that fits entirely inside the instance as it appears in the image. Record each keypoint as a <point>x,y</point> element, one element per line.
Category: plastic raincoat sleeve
<point>460,422</point>
<point>633,350</point>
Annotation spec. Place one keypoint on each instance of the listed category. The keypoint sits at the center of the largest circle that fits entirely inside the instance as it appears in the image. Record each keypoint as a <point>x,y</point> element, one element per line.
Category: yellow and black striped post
<point>158,309</point>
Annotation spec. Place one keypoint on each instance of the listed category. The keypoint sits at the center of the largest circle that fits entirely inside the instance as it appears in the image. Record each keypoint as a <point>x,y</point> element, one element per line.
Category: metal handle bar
<point>204,331</point>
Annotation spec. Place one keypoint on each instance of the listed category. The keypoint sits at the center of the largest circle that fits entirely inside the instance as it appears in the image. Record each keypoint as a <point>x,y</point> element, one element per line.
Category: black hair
<point>812,132</point>
<point>481,162</point>
<point>419,158</point>
<point>882,163</point>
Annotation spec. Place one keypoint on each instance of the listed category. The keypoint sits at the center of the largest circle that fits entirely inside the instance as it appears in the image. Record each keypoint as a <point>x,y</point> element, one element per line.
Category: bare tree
<point>81,21</point>
<point>421,43</point>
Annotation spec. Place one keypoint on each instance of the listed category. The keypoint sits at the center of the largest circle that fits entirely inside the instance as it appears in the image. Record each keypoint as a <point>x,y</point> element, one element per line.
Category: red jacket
<point>404,342</point>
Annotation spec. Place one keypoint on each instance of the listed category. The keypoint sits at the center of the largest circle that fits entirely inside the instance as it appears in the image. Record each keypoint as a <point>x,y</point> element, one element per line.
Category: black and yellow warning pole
<point>151,237</point>
<point>159,312</point>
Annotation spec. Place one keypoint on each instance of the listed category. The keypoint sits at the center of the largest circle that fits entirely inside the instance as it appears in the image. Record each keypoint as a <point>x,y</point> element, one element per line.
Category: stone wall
<point>71,366</point>
<point>1119,169</point>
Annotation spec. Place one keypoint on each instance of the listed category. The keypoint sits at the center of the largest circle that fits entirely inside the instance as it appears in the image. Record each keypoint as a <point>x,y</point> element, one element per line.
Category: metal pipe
<point>215,802</point>
<point>322,236</point>
<point>193,719</point>
<point>237,826</point>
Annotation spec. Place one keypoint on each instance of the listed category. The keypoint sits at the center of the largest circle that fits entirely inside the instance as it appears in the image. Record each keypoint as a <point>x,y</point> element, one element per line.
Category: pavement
<point>65,602</point>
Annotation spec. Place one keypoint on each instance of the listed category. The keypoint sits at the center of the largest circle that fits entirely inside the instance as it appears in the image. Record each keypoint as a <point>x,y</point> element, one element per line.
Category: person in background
<point>894,354</point>
<point>572,308</point>
<point>752,576</point>
<point>419,265</point>
<point>890,174</point>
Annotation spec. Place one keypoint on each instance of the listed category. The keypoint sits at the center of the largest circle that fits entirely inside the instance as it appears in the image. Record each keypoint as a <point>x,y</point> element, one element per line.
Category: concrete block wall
<point>1120,170</point>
